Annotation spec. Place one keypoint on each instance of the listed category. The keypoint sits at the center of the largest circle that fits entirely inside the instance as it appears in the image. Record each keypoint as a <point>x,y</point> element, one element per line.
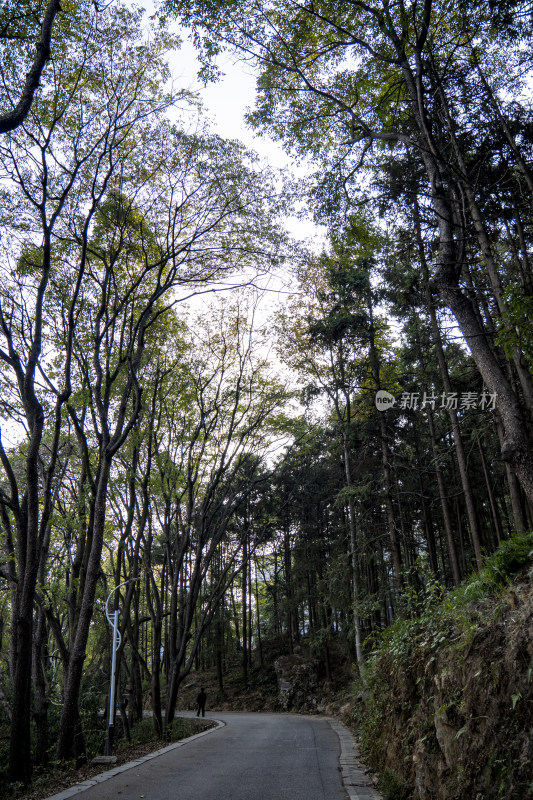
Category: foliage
<point>432,658</point>
<point>440,616</point>
<point>392,787</point>
<point>515,330</point>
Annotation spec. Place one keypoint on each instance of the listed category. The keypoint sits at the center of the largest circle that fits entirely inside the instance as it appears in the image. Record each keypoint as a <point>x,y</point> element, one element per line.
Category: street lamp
<point>113,621</point>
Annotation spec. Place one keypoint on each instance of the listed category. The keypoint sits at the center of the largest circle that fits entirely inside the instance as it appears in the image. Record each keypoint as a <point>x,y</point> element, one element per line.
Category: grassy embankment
<point>448,713</point>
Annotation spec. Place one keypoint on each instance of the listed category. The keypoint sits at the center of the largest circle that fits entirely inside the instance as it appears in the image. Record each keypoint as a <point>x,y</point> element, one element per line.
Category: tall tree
<point>235,404</point>
<point>107,209</point>
<point>346,82</point>
<point>67,154</point>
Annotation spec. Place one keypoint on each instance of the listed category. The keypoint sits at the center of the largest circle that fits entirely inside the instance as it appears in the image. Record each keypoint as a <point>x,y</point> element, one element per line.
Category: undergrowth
<point>399,671</point>
<point>438,617</point>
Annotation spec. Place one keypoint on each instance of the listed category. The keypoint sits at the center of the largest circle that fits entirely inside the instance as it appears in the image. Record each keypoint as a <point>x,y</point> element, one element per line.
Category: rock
<point>345,710</point>
<point>104,760</point>
<point>446,734</point>
<point>297,679</point>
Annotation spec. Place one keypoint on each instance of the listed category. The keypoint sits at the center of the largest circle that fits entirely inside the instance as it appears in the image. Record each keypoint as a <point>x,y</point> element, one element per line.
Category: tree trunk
<point>494,511</point>
<point>446,200</point>
<point>40,696</point>
<point>155,681</point>
<point>259,638</point>
<point>20,756</point>
<point>385,456</point>
<point>452,552</point>
<point>287,558</point>
<point>517,447</point>
<point>517,506</point>
<point>443,368</point>
<point>71,743</point>
<point>353,552</point>
<point>391,522</point>
<point>244,585</point>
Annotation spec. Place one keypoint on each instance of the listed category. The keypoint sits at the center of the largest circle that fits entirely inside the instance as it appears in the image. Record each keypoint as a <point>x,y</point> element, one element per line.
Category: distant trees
<point>418,115</point>
<point>209,482</point>
<point>401,493</point>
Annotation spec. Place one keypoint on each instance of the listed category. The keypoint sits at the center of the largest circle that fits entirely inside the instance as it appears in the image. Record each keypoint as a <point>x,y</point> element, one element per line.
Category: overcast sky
<point>225,104</point>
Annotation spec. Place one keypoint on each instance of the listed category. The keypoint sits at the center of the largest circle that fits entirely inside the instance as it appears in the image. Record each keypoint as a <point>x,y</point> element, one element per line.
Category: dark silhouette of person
<point>202,697</point>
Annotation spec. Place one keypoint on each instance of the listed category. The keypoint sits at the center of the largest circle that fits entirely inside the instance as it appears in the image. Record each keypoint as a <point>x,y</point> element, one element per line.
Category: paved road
<point>253,757</point>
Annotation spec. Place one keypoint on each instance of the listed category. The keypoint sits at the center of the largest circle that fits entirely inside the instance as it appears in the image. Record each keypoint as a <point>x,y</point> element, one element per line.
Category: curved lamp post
<point>113,621</point>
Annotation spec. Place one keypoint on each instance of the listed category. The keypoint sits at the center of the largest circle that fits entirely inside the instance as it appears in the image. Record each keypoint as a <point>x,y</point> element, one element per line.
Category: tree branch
<point>12,119</point>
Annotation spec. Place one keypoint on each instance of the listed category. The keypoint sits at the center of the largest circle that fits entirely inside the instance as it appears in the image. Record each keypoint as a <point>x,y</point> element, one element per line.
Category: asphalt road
<point>253,757</point>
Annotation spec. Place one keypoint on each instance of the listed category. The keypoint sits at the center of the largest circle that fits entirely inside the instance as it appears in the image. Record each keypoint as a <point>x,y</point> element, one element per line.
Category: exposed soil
<point>457,724</point>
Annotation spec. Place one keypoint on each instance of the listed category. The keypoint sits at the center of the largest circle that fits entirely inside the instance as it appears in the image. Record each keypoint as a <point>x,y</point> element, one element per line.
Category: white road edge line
<point>104,776</point>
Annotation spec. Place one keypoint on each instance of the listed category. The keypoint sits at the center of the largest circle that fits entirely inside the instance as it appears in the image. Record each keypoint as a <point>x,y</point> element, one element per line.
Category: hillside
<point>284,682</point>
<point>448,713</point>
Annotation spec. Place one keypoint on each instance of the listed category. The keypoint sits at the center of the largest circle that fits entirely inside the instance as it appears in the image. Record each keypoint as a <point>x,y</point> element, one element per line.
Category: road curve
<point>254,756</point>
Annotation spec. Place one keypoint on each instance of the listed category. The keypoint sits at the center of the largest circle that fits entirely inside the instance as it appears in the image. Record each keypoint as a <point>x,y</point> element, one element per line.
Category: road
<point>253,757</point>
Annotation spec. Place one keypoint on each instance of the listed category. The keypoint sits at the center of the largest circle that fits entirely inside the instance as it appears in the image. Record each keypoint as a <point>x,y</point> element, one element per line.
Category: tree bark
<point>12,119</point>
<point>244,587</point>
<point>448,527</point>
<point>71,744</point>
<point>353,554</point>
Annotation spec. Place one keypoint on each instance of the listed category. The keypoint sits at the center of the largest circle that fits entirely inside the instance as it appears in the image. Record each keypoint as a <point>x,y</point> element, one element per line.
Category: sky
<point>226,103</point>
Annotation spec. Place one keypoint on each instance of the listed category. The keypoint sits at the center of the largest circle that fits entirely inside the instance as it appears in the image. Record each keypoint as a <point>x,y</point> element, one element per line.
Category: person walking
<point>202,697</point>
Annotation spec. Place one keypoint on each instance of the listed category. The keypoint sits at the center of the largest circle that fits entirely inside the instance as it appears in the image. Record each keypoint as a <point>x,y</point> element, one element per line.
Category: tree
<point>109,209</point>
<point>134,264</point>
<point>15,24</point>
<point>78,151</point>
<point>217,465</point>
<point>332,335</point>
<point>350,83</point>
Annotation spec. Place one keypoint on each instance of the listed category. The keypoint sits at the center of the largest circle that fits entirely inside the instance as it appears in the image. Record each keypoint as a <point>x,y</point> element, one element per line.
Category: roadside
<point>263,693</point>
<point>61,780</point>
<point>359,781</point>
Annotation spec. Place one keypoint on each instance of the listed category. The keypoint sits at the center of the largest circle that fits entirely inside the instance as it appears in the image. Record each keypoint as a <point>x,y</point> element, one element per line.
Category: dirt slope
<point>452,718</point>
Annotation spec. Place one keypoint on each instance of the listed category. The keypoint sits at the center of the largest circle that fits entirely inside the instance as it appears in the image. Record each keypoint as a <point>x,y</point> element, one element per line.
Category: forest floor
<point>261,692</point>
